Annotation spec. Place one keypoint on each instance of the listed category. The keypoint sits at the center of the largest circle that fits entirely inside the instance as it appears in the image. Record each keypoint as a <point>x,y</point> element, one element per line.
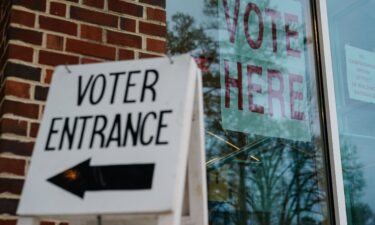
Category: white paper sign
<point>112,139</point>
<point>360,70</point>
<point>263,69</point>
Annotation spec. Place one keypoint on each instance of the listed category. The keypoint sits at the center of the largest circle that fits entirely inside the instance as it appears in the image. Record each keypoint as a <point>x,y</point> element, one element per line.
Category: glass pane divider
<point>331,115</point>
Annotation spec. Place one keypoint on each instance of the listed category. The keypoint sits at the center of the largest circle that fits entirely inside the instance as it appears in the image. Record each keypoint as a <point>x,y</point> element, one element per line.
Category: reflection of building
<point>262,168</point>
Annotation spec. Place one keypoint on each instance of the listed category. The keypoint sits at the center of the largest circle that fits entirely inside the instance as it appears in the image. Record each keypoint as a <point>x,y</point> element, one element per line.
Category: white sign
<point>262,68</point>
<point>360,70</point>
<point>114,139</point>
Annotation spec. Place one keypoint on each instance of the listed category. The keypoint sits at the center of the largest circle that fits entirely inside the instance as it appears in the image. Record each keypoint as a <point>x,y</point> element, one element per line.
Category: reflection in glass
<point>265,165</point>
<point>352,35</point>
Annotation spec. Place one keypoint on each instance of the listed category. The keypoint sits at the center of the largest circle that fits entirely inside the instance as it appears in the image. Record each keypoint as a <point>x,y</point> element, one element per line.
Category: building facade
<point>38,35</point>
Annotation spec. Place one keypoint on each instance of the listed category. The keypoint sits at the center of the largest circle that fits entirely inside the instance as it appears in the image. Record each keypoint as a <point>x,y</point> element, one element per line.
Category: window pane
<point>352,34</point>
<point>266,160</point>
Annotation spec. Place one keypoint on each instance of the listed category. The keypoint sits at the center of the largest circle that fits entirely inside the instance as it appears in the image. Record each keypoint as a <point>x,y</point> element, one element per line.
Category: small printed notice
<point>263,68</point>
<point>360,70</point>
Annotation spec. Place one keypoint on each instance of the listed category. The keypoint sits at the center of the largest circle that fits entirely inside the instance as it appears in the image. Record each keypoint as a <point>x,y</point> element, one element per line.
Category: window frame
<point>330,113</point>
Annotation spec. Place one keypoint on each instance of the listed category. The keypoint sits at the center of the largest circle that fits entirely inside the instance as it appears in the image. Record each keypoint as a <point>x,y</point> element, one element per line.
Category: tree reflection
<point>358,212</point>
<point>251,179</point>
<point>281,188</point>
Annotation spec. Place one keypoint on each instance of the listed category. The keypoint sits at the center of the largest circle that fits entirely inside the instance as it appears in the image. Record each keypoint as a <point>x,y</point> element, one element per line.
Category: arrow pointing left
<point>83,177</point>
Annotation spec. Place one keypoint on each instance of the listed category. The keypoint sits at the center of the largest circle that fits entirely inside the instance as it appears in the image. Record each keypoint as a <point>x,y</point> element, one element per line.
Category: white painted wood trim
<point>28,221</point>
<point>331,115</point>
<point>196,162</point>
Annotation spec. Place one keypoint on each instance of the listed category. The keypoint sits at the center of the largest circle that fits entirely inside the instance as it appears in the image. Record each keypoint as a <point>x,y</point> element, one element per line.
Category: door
<point>265,143</point>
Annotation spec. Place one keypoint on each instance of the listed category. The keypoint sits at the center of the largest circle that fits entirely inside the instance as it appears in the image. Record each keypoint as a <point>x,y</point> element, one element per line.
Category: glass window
<point>352,34</point>
<point>266,156</point>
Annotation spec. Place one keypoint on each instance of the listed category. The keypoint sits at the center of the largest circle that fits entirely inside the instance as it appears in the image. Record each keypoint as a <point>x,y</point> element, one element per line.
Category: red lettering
<point>234,83</point>
<point>295,95</point>
<point>253,44</point>
<point>291,34</point>
<point>254,88</point>
<point>232,27</point>
<point>274,15</point>
<point>272,93</point>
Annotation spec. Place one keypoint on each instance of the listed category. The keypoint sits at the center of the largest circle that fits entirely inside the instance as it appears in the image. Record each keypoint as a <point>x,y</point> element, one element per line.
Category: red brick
<point>125,8</point>
<point>88,61</point>
<point>20,109</point>
<point>54,59</point>
<point>58,9</point>
<point>47,223</point>
<point>8,222</point>
<point>41,93</point>
<point>28,36</point>
<point>20,52</point>
<point>90,49</point>
<point>55,42</point>
<point>128,40</point>
<point>57,25</point>
<point>16,147</point>
<point>8,206</point>
<point>92,33</point>
<point>22,17</point>
<point>152,29</point>
<point>13,126</point>
<point>39,5</point>
<point>34,128</point>
<point>146,55</point>
<point>94,3</point>
<point>156,45</point>
<point>42,110</point>
<point>156,14</point>
<point>94,17</point>
<point>13,186</point>
<point>127,24</point>
<point>22,71</point>
<point>48,76</point>
<point>126,54</point>
<point>17,89</point>
<point>12,166</point>
<point>160,3</point>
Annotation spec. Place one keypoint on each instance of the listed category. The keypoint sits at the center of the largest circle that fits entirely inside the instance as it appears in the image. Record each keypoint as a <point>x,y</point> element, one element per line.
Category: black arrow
<point>83,177</point>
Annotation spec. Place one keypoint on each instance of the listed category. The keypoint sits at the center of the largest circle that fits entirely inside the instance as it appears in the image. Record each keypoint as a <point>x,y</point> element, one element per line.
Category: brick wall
<point>44,33</point>
<point>4,22</point>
